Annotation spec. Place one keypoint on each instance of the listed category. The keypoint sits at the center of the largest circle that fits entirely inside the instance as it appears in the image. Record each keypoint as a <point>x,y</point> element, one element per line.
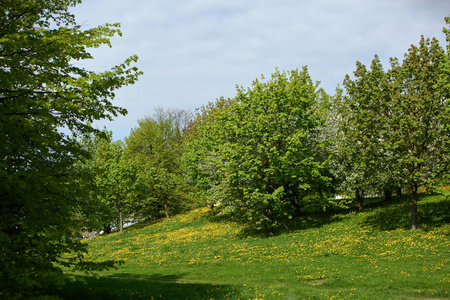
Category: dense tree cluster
<point>140,178</point>
<point>394,124</point>
<point>283,143</point>
<point>276,151</point>
<point>260,150</point>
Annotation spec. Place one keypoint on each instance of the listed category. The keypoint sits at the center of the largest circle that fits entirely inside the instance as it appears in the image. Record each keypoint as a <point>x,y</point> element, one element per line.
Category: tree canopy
<point>156,147</point>
<point>44,97</point>
<point>262,147</point>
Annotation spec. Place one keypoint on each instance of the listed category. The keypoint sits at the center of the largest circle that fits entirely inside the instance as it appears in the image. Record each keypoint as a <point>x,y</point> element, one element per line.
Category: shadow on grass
<point>312,220</point>
<point>308,220</point>
<point>126,286</point>
<point>433,212</point>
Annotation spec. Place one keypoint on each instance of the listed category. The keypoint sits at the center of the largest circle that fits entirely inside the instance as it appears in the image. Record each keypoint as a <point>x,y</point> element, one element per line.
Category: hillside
<point>351,255</point>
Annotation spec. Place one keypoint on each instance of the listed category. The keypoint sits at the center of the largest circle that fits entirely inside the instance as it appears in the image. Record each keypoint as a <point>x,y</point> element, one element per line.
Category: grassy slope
<point>344,256</point>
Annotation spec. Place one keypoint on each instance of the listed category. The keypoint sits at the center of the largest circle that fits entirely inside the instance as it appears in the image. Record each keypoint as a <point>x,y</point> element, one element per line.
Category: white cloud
<point>195,51</point>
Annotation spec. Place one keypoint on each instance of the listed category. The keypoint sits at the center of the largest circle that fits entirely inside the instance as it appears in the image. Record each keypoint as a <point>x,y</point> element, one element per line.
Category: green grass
<point>350,255</point>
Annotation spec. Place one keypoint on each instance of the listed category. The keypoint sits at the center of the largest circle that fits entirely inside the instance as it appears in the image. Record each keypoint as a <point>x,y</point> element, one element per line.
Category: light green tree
<point>156,147</point>
<point>267,148</point>
<point>45,93</point>
<point>93,214</point>
<point>116,179</point>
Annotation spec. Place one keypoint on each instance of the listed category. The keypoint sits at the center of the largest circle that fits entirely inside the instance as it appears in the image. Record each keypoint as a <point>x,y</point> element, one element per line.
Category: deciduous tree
<point>116,179</point>
<point>156,146</point>
<point>44,94</point>
<point>266,148</point>
<point>396,122</point>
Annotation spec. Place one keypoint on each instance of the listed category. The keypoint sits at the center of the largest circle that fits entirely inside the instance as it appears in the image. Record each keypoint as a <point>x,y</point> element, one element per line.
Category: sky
<point>195,51</point>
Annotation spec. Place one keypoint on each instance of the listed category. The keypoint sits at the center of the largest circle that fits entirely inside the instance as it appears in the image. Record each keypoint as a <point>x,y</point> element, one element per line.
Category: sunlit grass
<point>345,256</point>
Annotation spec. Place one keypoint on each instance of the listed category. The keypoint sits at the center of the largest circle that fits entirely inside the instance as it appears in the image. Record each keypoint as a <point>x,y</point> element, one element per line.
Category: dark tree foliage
<point>43,93</point>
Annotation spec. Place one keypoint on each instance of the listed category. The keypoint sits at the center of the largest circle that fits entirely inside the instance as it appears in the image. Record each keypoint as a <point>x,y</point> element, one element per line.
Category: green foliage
<point>162,191</point>
<point>199,156</point>
<point>93,214</point>
<point>155,147</point>
<point>116,178</point>
<point>419,123</point>
<point>445,67</point>
<point>155,143</point>
<point>43,90</point>
<point>356,161</point>
<point>258,152</point>
<point>395,123</point>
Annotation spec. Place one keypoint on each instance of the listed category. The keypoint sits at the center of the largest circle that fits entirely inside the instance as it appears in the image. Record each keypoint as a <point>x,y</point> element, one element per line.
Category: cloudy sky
<point>195,51</point>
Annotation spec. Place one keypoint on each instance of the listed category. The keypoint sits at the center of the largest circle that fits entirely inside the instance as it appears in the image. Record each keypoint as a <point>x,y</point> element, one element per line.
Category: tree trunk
<point>212,210</point>
<point>271,219</point>
<point>359,199</point>
<point>298,211</point>
<point>414,217</point>
<point>166,210</point>
<point>107,229</point>
<point>121,222</point>
<point>399,192</point>
<point>270,214</point>
<point>388,196</point>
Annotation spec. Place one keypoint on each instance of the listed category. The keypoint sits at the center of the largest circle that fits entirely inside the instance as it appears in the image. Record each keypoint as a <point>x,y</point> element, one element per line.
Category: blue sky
<point>195,51</point>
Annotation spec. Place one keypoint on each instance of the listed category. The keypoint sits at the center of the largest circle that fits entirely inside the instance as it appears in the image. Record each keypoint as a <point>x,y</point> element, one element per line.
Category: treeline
<point>283,147</point>
<point>139,178</point>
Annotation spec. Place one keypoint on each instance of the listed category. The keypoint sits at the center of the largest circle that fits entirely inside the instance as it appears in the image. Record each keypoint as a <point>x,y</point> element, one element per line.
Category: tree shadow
<point>433,212</point>
<point>308,220</point>
<point>132,286</point>
<point>313,220</point>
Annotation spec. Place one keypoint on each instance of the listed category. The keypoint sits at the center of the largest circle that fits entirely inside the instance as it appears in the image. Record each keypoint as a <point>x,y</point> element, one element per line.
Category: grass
<point>348,255</point>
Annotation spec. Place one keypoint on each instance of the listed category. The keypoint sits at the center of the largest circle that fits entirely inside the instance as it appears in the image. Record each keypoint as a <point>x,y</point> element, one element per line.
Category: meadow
<point>342,255</point>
